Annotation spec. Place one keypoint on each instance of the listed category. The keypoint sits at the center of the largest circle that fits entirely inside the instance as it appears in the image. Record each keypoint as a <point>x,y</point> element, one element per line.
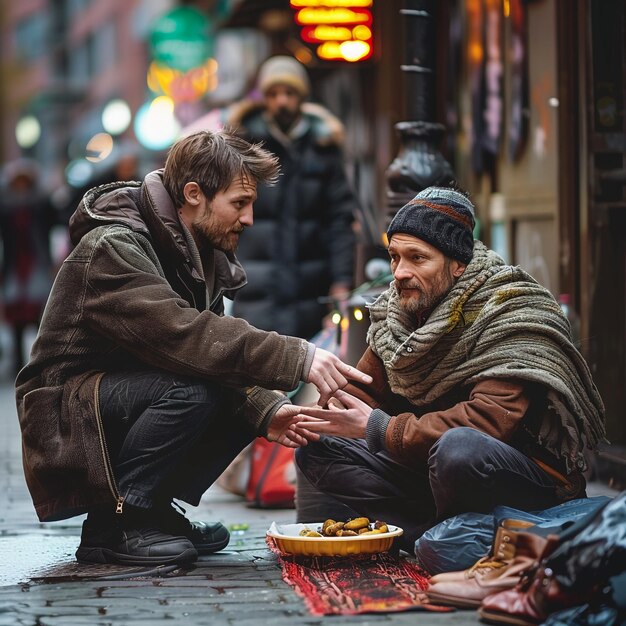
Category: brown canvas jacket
<point>496,407</point>
<point>130,296</point>
<point>506,409</point>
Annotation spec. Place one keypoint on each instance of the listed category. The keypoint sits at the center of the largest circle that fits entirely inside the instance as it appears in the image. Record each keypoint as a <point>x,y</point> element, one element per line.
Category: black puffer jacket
<point>302,241</point>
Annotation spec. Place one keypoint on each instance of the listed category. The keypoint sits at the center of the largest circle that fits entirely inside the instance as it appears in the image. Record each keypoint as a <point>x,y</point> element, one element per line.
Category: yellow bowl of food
<point>291,539</point>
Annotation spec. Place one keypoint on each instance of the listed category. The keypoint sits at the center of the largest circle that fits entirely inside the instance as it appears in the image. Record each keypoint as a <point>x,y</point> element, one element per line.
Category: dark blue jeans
<point>467,471</point>
<point>168,436</point>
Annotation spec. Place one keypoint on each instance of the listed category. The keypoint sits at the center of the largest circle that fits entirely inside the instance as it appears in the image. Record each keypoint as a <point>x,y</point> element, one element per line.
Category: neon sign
<point>341,29</point>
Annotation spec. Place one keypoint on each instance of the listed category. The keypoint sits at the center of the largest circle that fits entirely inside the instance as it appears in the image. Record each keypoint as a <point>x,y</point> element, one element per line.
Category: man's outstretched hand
<point>329,373</point>
<point>346,416</point>
<point>283,429</point>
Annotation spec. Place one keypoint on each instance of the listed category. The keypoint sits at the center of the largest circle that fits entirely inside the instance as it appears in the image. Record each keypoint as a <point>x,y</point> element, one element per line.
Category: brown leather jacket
<point>131,294</point>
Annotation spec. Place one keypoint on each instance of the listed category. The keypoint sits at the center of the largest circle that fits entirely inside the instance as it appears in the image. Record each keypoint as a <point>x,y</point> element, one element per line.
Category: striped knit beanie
<point>442,217</point>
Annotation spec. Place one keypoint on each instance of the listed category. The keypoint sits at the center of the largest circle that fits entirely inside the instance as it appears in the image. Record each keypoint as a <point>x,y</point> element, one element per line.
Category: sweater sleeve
<point>494,407</point>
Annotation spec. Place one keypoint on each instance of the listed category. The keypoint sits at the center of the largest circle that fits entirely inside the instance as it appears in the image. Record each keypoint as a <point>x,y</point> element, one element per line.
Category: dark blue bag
<point>458,542</point>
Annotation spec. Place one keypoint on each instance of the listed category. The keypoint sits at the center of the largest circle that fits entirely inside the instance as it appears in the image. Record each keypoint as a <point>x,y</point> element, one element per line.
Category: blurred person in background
<point>26,218</point>
<point>123,164</point>
<point>139,390</point>
<point>300,253</point>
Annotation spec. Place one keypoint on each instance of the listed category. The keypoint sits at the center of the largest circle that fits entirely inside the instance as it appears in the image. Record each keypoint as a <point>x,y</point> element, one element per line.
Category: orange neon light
<point>319,34</point>
<point>355,50</point>
<point>362,32</point>
<point>306,17</point>
<point>316,34</point>
<point>341,27</point>
<point>351,51</point>
<point>298,4</point>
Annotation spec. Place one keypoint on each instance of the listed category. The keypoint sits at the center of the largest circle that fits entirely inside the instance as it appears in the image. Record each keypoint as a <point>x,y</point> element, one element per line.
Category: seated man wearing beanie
<point>479,397</point>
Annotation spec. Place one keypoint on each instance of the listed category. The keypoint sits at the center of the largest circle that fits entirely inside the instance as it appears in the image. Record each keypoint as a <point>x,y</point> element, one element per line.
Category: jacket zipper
<point>105,451</point>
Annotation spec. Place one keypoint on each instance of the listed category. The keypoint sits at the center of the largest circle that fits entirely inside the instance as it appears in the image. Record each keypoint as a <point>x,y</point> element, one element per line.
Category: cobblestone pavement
<point>42,585</point>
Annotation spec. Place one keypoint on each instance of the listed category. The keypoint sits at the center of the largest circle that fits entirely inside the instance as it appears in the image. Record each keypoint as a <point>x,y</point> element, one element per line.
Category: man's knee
<point>316,458</point>
<point>455,454</point>
<point>194,391</point>
<point>308,456</point>
<point>195,402</point>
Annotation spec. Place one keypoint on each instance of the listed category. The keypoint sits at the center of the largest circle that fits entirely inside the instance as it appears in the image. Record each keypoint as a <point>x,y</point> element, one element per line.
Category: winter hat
<point>284,70</point>
<point>442,217</point>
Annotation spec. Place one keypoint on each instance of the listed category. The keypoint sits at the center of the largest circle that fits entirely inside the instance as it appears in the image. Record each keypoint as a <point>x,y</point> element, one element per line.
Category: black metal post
<point>419,163</point>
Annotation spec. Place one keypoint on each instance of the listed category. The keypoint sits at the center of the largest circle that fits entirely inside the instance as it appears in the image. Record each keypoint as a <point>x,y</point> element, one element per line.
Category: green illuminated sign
<point>182,39</point>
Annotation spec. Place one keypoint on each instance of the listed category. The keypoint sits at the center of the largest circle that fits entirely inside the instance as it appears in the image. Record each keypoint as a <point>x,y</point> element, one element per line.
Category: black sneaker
<point>206,537</point>
<point>104,539</point>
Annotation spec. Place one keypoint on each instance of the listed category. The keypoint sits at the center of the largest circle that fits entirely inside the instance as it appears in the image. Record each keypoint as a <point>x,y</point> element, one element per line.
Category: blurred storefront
<point>534,105</point>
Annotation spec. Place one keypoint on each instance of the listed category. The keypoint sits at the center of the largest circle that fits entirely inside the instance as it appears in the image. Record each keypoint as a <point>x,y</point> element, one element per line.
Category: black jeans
<point>467,471</point>
<point>168,436</point>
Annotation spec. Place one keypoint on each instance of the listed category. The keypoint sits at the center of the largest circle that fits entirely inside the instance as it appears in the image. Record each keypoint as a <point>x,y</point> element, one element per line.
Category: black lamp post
<point>419,163</point>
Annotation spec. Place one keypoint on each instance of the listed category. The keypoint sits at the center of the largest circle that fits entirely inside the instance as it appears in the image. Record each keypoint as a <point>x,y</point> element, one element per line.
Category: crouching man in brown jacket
<point>479,397</point>
<point>139,390</point>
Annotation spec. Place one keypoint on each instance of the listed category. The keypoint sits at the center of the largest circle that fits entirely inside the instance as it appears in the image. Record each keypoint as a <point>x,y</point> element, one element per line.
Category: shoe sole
<point>103,555</point>
<point>496,617</point>
<point>459,603</point>
<point>211,548</point>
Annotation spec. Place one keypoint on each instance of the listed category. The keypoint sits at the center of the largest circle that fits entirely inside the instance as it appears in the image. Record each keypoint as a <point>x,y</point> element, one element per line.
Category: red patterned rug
<point>377,583</point>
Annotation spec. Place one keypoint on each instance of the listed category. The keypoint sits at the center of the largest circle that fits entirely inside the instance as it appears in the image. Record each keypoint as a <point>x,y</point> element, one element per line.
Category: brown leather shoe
<point>530,603</point>
<point>514,552</point>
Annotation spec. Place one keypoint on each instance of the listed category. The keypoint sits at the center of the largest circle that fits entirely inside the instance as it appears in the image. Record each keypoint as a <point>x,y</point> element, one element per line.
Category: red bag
<point>272,482</point>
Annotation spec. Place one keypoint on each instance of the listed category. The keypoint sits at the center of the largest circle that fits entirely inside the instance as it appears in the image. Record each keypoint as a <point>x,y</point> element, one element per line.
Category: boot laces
<point>484,565</point>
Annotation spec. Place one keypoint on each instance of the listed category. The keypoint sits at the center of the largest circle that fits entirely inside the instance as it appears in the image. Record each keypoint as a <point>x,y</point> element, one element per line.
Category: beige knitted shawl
<point>496,322</point>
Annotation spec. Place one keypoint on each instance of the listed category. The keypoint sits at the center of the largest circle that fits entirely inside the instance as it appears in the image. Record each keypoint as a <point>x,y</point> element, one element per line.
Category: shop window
<point>75,7</point>
<point>31,36</point>
<point>78,63</point>
<point>104,48</point>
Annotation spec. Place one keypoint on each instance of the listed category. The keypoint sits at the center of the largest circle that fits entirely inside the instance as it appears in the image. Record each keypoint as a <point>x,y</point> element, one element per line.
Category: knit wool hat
<point>442,217</point>
<point>284,70</point>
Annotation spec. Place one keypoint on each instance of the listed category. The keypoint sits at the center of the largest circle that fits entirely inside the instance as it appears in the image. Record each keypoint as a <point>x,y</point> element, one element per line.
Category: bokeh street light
<point>156,126</point>
<point>27,131</point>
<point>116,117</point>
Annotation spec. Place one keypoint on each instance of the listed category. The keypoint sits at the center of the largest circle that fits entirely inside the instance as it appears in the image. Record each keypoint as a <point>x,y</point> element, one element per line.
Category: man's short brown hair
<point>214,160</point>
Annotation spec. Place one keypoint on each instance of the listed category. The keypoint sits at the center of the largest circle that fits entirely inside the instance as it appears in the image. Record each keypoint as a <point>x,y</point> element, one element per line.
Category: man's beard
<point>418,303</point>
<point>285,118</point>
<point>207,237</point>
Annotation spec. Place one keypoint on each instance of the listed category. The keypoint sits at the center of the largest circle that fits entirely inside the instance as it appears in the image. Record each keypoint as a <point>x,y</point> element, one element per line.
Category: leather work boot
<point>502,549</point>
<point>514,552</point>
<point>106,538</point>
<point>206,537</point>
<point>536,596</point>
